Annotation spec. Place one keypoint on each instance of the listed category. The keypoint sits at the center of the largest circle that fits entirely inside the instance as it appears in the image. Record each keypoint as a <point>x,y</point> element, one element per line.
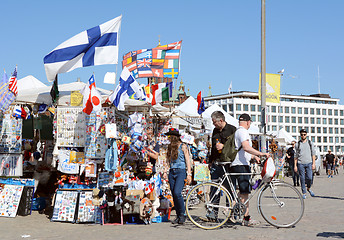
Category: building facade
<point>321,115</point>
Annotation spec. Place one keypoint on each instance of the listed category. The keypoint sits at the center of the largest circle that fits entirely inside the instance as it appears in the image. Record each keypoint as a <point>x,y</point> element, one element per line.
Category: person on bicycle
<point>304,162</point>
<point>221,132</point>
<point>241,163</point>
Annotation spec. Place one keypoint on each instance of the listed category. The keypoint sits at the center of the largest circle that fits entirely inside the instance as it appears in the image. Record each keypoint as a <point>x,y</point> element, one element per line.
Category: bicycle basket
<point>269,170</point>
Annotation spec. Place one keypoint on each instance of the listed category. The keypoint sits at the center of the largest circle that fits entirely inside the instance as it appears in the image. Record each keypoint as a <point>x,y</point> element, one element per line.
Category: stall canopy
<point>188,108</point>
<point>29,82</point>
<point>132,105</point>
<point>282,136</point>
<point>229,119</point>
<point>42,94</point>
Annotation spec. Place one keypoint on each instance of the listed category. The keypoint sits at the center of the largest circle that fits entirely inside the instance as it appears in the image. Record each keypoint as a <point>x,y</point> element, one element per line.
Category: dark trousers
<point>295,175</point>
<point>176,178</point>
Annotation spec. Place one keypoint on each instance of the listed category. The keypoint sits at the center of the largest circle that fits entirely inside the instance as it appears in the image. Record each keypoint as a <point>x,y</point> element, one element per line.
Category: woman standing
<point>180,169</point>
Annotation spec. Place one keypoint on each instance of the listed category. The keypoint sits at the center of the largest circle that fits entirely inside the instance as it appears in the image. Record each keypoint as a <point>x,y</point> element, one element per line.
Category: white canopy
<point>137,105</point>
<point>29,82</point>
<point>188,107</point>
<point>42,94</point>
<point>282,136</point>
<point>229,119</point>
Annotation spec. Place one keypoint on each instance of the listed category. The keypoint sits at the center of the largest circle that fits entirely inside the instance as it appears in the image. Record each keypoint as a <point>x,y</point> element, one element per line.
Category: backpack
<point>229,150</point>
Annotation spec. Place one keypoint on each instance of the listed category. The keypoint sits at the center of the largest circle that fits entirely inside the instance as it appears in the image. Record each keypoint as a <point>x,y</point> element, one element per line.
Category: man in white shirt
<point>241,164</point>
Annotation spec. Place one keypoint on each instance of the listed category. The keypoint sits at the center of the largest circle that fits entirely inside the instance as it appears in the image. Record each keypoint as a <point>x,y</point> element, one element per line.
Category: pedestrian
<point>336,165</point>
<point>241,163</point>
<point>330,162</point>
<point>304,162</point>
<point>220,134</point>
<point>290,159</point>
<point>180,169</point>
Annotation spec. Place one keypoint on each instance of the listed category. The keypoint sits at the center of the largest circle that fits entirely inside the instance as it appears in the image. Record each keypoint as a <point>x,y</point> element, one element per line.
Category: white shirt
<point>242,157</point>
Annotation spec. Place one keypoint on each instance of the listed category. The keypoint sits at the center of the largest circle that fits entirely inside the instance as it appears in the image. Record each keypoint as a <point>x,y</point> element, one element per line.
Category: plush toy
<point>146,210</point>
<point>62,180</point>
<point>73,179</point>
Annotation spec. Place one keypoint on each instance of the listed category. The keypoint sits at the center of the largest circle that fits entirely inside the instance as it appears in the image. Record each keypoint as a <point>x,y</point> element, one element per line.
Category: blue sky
<point>221,39</point>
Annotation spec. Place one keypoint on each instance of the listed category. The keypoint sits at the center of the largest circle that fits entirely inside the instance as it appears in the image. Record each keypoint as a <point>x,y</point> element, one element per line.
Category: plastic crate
<point>38,204</point>
<point>165,214</point>
<point>157,219</point>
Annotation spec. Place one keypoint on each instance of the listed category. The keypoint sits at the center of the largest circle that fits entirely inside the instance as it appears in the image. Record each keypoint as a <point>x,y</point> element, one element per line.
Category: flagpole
<point>119,36</point>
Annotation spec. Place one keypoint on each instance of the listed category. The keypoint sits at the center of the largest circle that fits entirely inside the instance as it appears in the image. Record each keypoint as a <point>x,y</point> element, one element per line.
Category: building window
<point>336,131</point>
<point>287,119</point>
<point>330,130</point>
<point>324,139</point>
<point>335,121</point>
<point>238,107</point>
<point>299,110</point>
<point>324,130</point>
<point>330,112</point>
<point>342,131</point>
<point>224,107</point>
<point>306,128</point>
<point>325,148</point>
<point>337,139</point>
<point>318,111</point>
<point>306,110</point>
<point>312,111</point>
<point>293,129</point>
<point>293,110</point>
<point>253,117</point>
<point>253,108</point>
<point>312,129</point>
<point>280,119</point>
<point>273,109</point>
<point>341,121</point>
<point>259,108</point>
<point>324,112</point>
<point>341,113</point>
<point>300,119</point>
<point>246,107</point>
<point>324,121</point>
<point>293,119</point>
<point>287,128</point>
<point>281,109</point>
<point>286,109</point>
<point>306,120</point>
<point>336,112</point>
<point>318,129</point>
<point>274,128</point>
<point>319,139</point>
<point>342,149</point>
<point>312,120</point>
<point>330,139</point>
<point>330,121</point>
<point>273,118</point>
<point>318,120</point>
<point>331,147</point>
<point>313,139</point>
<point>342,139</point>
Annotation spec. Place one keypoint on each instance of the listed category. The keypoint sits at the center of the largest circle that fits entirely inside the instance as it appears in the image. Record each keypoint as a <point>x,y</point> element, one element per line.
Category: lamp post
<point>263,77</point>
<point>279,108</point>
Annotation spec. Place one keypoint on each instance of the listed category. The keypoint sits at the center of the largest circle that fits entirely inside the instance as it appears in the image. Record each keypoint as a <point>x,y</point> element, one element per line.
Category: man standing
<point>330,163</point>
<point>221,132</point>
<point>241,163</point>
<point>290,160</point>
<point>304,162</point>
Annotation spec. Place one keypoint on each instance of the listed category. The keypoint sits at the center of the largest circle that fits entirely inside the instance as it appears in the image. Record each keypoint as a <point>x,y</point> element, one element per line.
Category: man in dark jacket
<point>290,160</point>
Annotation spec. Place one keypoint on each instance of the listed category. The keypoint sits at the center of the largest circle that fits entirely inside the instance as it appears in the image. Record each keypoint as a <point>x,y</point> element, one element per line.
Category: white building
<point>321,115</point>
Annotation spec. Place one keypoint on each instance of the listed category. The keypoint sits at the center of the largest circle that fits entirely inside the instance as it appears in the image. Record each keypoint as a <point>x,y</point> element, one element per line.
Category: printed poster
<point>11,165</point>
<point>65,206</point>
<point>9,199</point>
<point>86,210</point>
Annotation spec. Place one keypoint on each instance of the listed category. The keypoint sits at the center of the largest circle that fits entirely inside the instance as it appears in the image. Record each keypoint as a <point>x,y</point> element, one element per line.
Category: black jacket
<point>221,135</point>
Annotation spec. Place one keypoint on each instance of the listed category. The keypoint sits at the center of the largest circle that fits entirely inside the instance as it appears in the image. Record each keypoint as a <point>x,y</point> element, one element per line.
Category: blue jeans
<point>176,178</point>
<point>306,175</point>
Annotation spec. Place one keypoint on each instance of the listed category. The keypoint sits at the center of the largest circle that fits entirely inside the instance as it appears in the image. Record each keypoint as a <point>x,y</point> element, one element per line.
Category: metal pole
<point>263,78</point>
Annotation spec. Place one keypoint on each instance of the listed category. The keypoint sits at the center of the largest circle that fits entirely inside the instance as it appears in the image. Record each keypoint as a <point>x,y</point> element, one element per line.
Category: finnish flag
<point>126,88</point>
<point>95,46</point>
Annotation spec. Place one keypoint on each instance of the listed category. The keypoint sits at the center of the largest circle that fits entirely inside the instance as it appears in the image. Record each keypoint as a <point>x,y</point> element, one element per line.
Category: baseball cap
<point>303,130</point>
<point>244,117</point>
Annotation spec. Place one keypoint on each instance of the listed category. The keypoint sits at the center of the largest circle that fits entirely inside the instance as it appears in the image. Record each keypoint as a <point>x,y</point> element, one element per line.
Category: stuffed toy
<point>146,210</point>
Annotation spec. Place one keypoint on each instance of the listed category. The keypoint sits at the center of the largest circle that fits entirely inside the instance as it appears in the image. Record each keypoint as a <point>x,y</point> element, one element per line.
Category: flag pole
<point>119,36</point>
<point>263,77</point>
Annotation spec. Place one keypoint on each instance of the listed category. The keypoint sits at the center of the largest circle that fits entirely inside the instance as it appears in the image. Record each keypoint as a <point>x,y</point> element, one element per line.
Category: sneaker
<point>311,192</point>
<point>304,196</point>
<point>250,223</point>
<point>182,220</point>
<point>331,176</point>
<point>328,176</point>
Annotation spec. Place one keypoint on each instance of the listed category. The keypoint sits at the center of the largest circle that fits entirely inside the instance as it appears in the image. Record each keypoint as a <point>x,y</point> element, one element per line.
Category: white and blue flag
<point>95,46</point>
<point>126,88</point>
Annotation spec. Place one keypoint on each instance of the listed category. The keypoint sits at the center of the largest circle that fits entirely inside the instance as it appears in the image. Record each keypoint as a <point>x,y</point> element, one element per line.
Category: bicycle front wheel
<point>208,205</point>
<point>281,204</point>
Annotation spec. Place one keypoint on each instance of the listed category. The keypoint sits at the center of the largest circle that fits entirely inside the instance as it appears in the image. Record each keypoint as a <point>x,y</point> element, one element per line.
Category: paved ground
<point>323,219</point>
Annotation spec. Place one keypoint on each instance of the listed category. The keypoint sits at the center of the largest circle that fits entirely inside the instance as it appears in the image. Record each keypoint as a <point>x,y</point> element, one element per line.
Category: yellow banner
<point>76,98</point>
<point>273,84</point>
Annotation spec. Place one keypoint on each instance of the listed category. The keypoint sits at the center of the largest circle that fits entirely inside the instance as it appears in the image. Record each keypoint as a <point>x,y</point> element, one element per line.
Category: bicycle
<point>209,205</point>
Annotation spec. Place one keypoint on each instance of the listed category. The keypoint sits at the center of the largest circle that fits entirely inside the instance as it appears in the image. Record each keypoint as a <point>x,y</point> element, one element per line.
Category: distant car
<point>318,161</point>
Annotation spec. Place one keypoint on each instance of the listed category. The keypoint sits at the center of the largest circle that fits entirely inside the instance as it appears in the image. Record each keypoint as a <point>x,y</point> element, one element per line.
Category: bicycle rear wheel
<point>208,205</point>
<point>281,204</point>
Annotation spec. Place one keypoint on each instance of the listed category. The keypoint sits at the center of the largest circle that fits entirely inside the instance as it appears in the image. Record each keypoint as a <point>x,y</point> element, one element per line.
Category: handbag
<point>269,170</point>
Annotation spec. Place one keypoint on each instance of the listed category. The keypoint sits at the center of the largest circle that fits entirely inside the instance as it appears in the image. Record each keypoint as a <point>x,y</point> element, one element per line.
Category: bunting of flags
<point>160,62</point>
<point>6,95</point>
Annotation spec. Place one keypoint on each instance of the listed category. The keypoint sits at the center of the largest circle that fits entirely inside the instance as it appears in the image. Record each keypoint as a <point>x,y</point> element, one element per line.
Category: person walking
<point>180,169</point>
<point>241,163</point>
<point>290,159</point>
<point>304,162</point>
<point>330,163</point>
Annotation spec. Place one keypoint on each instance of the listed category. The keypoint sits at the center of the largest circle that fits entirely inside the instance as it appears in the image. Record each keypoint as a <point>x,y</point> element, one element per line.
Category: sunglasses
<point>303,134</point>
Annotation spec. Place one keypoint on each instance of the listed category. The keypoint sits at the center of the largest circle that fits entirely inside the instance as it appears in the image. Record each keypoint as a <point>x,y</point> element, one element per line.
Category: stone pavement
<point>323,219</point>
